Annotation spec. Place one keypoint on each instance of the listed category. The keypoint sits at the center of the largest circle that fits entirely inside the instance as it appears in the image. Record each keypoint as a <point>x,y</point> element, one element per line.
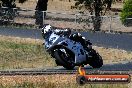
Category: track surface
<point>121,41</point>
<point>122,68</point>
<point>51,72</point>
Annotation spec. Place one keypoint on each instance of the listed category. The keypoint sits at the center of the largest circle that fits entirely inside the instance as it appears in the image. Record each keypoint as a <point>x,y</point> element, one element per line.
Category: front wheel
<point>66,61</point>
<point>95,60</point>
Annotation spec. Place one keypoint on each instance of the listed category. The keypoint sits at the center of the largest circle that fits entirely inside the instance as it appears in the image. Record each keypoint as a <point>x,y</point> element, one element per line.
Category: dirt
<point>58,5</point>
<point>65,7</point>
<point>111,55</point>
<point>57,78</point>
<point>53,5</point>
<point>21,40</point>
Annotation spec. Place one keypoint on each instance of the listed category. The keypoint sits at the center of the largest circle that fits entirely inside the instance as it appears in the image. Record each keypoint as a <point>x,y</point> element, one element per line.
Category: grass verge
<point>49,81</point>
<point>19,53</point>
<point>70,85</point>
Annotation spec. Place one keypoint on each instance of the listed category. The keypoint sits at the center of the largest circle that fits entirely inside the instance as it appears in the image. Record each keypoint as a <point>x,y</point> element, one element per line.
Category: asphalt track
<point>119,68</point>
<point>120,41</point>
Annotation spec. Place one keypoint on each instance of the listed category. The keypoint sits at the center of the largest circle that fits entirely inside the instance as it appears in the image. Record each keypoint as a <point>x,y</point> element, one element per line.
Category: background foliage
<point>126,12</point>
<point>97,8</point>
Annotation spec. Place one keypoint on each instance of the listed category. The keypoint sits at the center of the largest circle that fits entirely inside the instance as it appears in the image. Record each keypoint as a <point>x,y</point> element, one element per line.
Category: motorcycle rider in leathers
<point>67,32</point>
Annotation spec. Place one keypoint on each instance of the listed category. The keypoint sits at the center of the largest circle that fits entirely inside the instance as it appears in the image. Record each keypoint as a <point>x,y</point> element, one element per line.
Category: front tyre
<point>62,58</point>
<point>95,60</point>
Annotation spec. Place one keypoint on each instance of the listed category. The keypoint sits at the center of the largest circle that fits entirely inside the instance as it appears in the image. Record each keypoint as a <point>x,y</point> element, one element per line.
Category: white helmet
<point>47,28</point>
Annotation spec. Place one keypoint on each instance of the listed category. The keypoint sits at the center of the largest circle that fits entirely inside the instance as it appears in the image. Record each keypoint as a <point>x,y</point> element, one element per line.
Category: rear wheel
<point>67,61</point>
<point>95,60</point>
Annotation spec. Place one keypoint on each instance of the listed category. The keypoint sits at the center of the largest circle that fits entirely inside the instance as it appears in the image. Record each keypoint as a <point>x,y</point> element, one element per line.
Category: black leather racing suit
<point>79,38</point>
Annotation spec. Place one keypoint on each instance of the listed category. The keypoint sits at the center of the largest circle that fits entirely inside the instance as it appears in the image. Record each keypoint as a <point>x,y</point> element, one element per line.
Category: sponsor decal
<point>84,77</point>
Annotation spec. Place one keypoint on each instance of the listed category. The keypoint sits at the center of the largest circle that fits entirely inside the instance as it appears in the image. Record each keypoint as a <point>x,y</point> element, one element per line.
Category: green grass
<point>15,55</point>
<point>18,54</point>
<point>63,85</point>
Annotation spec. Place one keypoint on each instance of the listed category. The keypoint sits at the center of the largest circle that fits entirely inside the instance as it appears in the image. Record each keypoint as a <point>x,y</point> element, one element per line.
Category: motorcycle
<point>69,53</point>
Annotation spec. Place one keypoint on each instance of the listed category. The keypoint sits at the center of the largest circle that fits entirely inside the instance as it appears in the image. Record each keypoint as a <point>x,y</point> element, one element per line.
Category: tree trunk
<point>97,23</point>
<point>97,18</point>
<point>41,6</point>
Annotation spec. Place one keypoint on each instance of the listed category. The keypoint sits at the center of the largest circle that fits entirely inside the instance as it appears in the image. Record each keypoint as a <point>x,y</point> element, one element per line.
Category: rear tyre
<point>63,60</point>
<point>96,60</point>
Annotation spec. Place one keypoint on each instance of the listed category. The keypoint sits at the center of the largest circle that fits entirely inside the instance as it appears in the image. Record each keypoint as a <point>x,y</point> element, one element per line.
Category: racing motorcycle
<point>69,53</point>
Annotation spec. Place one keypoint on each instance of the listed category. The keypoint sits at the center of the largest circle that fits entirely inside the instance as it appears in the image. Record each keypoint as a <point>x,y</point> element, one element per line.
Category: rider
<point>79,38</point>
<point>47,29</point>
